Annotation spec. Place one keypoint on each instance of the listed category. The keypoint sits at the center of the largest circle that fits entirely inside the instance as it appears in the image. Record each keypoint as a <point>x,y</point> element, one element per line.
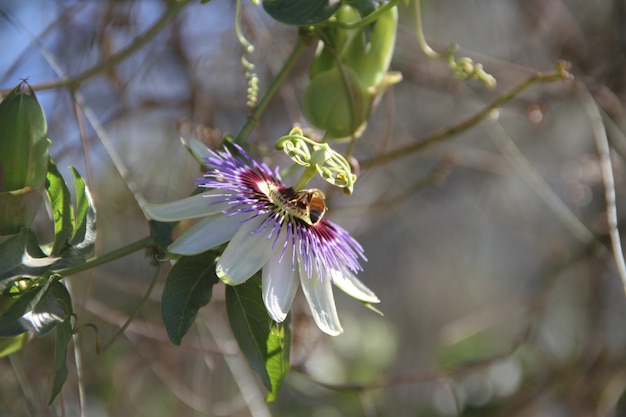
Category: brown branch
<point>75,81</point>
<point>560,74</point>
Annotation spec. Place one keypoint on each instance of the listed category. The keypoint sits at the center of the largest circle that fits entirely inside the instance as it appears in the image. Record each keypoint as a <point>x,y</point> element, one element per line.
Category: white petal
<point>188,208</point>
<point>198,149</point>
<point>206,234</point>
<point>280,282</point>
<point>246,253</point>
<point>348,283</point>
<point>319,294</point>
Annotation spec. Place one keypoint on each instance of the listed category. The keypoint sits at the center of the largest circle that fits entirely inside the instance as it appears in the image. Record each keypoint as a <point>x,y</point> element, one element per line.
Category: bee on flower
<point>269,227</point>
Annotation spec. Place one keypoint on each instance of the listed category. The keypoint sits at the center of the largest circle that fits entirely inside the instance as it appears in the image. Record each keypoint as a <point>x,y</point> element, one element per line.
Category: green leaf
<point>370,58</point>
<point>63,337</point>
<point>9,345</point>
<point>84,236</point>
<point>75,229</point>
<point>23,141</point>
<point>277,362</point>
<point>21,256</point>
<point>250,324</point>
<point>14,328</point>
<point>53,308</point>
<point>64,333</point>
<point>301,12</point>
<point>264,343</point>
<point>188,287</point>
<point>22,304</point>
<point>366,7</point>
<point>18,209</point>
<point>59,197</point>
<point>350,102</point>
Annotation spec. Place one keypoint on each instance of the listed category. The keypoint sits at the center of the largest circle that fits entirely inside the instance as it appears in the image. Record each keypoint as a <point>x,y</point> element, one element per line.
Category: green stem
<point>115,59</point>
<point>350,147</point>
<point>107,257</point>
<point>238,32</point>
<point>419,32</point>
<point>307,175</point>
<point>254,118</point>
<point>136,311</point>
<point>560,74</point>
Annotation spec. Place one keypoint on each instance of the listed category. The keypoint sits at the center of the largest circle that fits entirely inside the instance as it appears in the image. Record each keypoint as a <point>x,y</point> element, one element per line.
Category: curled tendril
<point>317,158</point>
<point>465,68</point>
<point>253,82</point>
<point>251,76</point>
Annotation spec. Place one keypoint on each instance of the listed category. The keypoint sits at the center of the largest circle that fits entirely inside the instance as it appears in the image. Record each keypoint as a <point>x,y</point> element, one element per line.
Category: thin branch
<point>78,100</point>
<point>254,118</point>
<point>419,33</point>
<point>533,311</point>
<point>223,337</point>
<point>137,309</point>
<point>541,187</point>
<point>75,81</point>
<point>63,17</point>
<point>116,158</point>
<point>560,74</point>
<point>25,390</point>
<point>436,176</point>
<point>606,170</point>
<point>107,257</point>
<point>78,362</point>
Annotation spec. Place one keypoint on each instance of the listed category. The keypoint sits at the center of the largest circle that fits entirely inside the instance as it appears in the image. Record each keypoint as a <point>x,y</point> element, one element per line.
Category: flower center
<point>307,205</point>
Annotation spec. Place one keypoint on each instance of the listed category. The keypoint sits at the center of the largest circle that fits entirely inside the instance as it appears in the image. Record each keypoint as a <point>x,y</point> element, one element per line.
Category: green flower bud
<point>370,55</point>
<point>336,39</point>
<point>350,71</point>
<point>23,158</point>
<point>335,101</point>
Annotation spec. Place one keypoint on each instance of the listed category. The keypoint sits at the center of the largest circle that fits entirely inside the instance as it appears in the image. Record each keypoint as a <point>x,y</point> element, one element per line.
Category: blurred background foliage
<point>489,250</point>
